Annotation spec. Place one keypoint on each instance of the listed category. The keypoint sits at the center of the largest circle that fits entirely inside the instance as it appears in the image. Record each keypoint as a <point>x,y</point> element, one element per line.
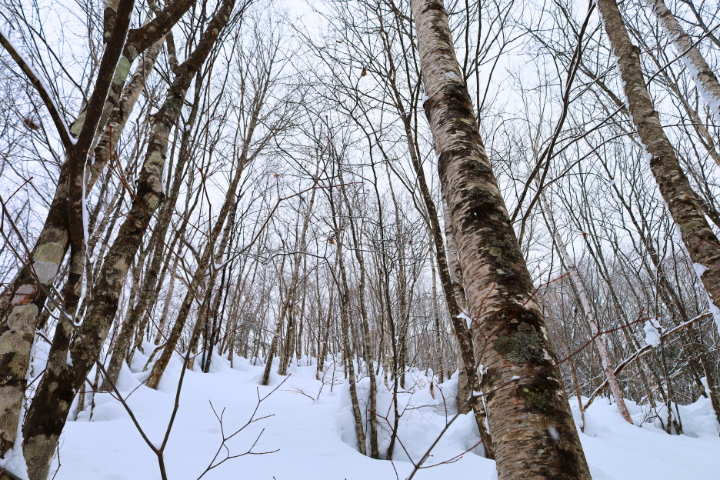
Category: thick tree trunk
<point>23,300</point>
<point>468,380</point>
<point>48,412</point>
<point>18,319</point>
<point>527,405</point>
<point>587,310</point>
<point>683,204</point>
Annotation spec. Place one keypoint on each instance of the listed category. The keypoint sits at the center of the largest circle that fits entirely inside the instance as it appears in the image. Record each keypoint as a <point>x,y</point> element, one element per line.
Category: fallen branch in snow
<point>642,352</point>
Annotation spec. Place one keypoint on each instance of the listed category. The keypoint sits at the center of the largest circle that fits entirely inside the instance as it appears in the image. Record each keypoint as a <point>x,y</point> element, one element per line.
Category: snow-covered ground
<point>315,439</point>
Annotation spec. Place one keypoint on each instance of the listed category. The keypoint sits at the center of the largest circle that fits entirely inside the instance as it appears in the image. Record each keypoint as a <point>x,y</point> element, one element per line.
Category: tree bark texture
<point>705,79</point>
<point>438,335</point>
<point>683,204</point>
<point>26,296</point>
<point>18,319</point>
<point>147,294</point>
<point>48,412</point>
<point>522,412</point>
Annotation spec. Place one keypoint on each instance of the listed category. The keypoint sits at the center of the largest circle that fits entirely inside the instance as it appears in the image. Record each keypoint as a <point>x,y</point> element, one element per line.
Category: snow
<point>14,460</point>
<point>464,316</point>
<point>316,438</point>
<point>653,330</point>
<point>710,98</point>
<point>699,270</point>
<point>617,450</point>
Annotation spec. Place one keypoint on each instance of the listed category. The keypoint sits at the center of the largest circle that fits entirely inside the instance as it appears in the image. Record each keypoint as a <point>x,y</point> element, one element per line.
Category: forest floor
<point>315,439</point>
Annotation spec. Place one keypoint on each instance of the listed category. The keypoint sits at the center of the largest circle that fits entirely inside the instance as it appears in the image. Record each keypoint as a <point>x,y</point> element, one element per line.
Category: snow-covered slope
<point>314,439</point>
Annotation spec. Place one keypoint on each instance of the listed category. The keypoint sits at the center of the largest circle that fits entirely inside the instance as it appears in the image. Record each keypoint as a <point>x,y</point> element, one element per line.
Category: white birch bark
<point>705,79</point>
<point>587,309</point>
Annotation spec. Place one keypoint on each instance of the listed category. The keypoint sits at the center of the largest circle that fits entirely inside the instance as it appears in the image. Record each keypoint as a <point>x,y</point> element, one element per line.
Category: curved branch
<point>60,124</point>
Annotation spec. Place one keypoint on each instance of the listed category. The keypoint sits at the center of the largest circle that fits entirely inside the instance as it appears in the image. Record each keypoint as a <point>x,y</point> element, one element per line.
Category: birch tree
<point>701,72</point>
<point>682,202</point>
<point>498,285</point>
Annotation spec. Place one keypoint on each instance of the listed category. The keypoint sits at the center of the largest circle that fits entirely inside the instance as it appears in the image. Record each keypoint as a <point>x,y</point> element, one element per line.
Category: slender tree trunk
<point>294,281</point>
<point>518,354</point>
<point>356,235</point>
<point>323,349</point>
<point>682,202</point>
<point>168,299</point>
<point>587,310</point>
<point>204,262</point>
<point>299,346</point>
<point>122,341</point>
<point>289,336</point>
<point>148,297</point>
<point>438,335</point>
<point>214,328</point>
<point>345,324</point>
<point>705,79</point>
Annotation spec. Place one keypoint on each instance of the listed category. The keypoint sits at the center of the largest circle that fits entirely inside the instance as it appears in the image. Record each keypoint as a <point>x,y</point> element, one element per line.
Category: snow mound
<point>310,428</point>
